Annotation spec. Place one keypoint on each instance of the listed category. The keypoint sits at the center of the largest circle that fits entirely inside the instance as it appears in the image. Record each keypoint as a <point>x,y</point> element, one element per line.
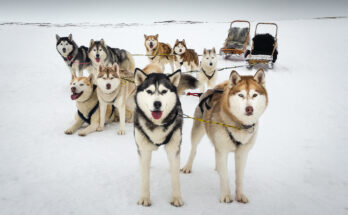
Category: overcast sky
<point>62,11</point>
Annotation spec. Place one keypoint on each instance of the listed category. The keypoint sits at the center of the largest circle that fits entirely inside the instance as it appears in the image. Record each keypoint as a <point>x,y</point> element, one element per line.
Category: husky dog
<point>207,72</point>
<point>238,102</point>
<point>158,121</point>
<point>160,53</point>
<point>87,104</point>
<point>75,57</point>
<point>186,57</point>
<point>101,54</point>
<point>111,89</point>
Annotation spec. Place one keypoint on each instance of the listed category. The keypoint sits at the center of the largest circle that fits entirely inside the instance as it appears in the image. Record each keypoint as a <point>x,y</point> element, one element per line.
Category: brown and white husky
<point>160,53</point>
<point>185,57</point>
<point>238,102</point>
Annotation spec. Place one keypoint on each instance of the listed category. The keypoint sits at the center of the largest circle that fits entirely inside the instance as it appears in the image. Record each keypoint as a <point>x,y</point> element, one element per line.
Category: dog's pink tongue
<point>156,114</point>
<point>74,96</point>
<point>97,59</point>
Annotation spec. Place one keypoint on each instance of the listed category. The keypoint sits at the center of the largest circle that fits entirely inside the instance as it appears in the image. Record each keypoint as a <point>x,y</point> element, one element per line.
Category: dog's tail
<point>187,82</point>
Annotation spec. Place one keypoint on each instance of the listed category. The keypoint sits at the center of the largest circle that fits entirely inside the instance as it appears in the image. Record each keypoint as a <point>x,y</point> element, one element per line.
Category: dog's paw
<point>100,129</point>
<point>177,201</point>
<point>226,198</point>
<point>144,201</point>
<point>240,197</point>
<point>186,169</point>
<point>121,132</point>
<point>68,131</point>
<point>82,134</point>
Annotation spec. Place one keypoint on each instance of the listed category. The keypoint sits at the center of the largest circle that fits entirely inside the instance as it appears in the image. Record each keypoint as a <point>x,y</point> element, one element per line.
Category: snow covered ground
<point>298,165</point>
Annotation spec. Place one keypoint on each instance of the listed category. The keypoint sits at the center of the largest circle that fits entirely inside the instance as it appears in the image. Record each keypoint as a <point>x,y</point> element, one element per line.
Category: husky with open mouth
<point>76,58</point>
<point>238,102</point>
<point>160,53</point>
<point>158,121</point>
<point>115,91</point>
<point>103,55</point>
<point>84,93</point>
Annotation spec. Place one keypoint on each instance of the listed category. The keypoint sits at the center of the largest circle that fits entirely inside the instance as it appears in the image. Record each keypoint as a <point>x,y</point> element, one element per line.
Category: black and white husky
<point>75,57</point>
<point>158,121</point>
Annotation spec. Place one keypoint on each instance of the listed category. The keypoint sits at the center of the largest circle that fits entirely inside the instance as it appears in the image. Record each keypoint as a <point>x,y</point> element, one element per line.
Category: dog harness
<point>90,114</point>
<point>232,137</point>
<point>169,136</point>
<point>204,101</point>
<point>208,76</point>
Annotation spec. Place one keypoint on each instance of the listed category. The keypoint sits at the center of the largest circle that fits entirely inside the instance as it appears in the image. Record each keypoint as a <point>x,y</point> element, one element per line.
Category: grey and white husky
<point>207,72</point>
<point>103,55</point>
<point>75,57</point>
<point>158,121</point>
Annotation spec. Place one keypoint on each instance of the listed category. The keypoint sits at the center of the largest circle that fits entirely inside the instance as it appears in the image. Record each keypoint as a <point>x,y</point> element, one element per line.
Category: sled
<point>264,48</point>
<point>237,40</point>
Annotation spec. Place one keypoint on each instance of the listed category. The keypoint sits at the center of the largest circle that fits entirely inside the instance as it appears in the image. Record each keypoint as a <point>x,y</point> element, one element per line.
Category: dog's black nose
<point>64,50</point>
<point>157,105</point>
<point>108,86</point>
<point>97,55</point>
<point>180,50</point>
<point>211,64</point>
<point>73,89</point>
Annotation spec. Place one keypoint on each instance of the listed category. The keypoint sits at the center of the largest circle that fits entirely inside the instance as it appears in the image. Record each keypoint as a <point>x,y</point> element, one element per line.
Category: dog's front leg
<point>221,164</point>
<point>77,124</point>
<point>103,107</point>
<point>91,128</point>
<point>173,152</point>
<point>122,112</point>
<point>145,161</point>
<point>177,65</point>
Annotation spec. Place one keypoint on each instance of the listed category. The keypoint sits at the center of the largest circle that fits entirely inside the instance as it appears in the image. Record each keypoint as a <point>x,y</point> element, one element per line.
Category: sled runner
<point>237,40</point>
<point>264,48</point>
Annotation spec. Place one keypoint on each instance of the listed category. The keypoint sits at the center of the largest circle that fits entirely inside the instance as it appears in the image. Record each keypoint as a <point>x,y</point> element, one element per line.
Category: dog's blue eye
<point>254,95</point>
<point>241,95</point>
<point>149,91</point>
<point>164,91</point>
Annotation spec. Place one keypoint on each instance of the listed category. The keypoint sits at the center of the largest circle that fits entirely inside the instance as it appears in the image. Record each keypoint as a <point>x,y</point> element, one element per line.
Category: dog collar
<point>208,76</point>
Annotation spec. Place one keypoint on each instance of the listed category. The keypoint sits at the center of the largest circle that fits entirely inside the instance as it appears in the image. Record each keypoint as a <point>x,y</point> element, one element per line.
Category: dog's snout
<point>157,105</point>
<point>64,50</point>
<point>180,50</point>
<point>73,89</point>
<point>108,86</point>
<point>97,55</point>
<point>249,110</point>
<point>211,64</point>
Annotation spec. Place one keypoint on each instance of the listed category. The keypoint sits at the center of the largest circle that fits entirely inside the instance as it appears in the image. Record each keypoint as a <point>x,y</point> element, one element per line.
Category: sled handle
<point>268,23</point>
<point>246,21</point>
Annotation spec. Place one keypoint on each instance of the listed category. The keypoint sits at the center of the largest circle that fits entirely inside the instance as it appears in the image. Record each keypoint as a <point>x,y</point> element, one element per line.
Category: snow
<point>298,165</point>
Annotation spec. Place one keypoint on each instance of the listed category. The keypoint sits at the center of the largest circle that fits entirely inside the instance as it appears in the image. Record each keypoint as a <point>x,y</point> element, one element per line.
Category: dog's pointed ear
<point>205,51</point>
<point>234,78</point>
<point>175,77</point>
<point>183,42</point>
<point>73,76</point>
<point>91,43</point>
<point>102,42</point>
<point>90,78</point>
<point>139,76</point>
<point>177,41</point>
<point>145,36</point>
<point>156,36</point>
<point>213,50</point>
<point>100,68</point>
<point>57,37</point>
<point>260,76</point>
<point>116,68</point>
<point>70,37</point>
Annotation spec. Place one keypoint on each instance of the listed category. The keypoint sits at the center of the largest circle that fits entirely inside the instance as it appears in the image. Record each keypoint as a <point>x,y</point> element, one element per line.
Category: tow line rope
<point>212,122</point>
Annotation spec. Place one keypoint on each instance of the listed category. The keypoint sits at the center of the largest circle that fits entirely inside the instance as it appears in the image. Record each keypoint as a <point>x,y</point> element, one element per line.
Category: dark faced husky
<point>103,55</point>
<point>158,121</point>
<point>238,102</point>
<point>75,57</point>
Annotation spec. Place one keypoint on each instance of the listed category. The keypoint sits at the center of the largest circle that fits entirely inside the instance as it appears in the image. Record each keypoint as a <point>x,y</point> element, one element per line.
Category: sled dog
<point>76,58</point>
<point>85,95</point>
<point>185,57</point>
<point>158,121</point>
<point>207,72</point>
<point>101,54</point>
<point>238,102</point>
<point>158,52</point>
<point>113,90</point>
